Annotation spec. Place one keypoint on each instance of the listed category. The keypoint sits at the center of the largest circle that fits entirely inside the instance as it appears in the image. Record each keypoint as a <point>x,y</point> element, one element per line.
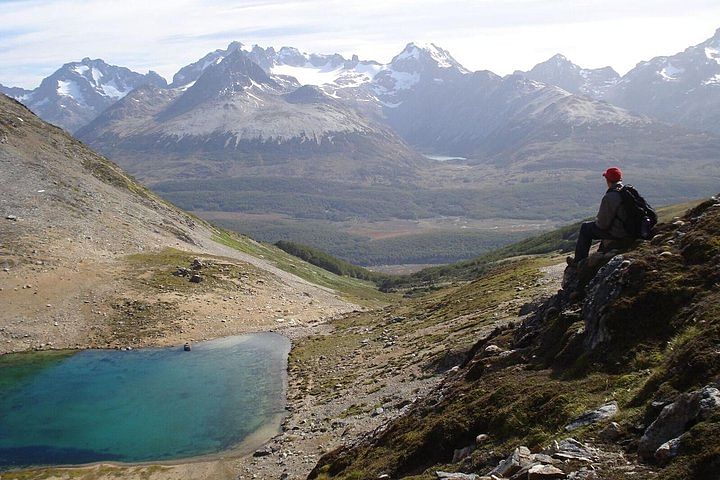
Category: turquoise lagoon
<point>141,405</point>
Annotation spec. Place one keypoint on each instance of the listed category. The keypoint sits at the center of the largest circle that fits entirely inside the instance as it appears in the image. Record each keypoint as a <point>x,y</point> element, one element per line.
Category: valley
<point>401,228</point>
<point>323,141</point>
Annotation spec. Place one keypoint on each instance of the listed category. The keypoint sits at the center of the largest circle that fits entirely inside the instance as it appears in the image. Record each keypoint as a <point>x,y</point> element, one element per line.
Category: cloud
<point>37,36</point>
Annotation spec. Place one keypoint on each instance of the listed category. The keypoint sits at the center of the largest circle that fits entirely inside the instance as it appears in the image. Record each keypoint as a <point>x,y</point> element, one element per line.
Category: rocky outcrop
<point>675,419</point>
<point>604,412</point>
<point>602,291</point>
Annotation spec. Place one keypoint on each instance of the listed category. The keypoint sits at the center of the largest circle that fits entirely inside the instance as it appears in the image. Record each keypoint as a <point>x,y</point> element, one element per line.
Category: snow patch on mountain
<point>69,88</point>
<point>670,72</point>
<point>713,54</point>
<point>714,80</point>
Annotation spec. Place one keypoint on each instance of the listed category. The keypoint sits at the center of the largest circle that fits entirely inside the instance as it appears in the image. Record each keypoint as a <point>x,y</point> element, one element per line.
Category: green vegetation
<point>430,247</point>
<point>92,473</point>
<point>328,262</point>
<point>663,330</point>
<point>362,292</point>
<point>562,239</point>
<point>527,197</point>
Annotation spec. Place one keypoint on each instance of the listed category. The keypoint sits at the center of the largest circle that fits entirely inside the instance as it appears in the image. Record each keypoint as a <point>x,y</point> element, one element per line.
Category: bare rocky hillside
<point>90,258</point>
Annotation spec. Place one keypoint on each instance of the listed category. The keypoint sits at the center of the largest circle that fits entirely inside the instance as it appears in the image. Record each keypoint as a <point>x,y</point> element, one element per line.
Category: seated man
<point>610,220</point>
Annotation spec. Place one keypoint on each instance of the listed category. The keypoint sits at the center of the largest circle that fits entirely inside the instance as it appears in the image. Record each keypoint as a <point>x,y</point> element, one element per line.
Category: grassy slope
<point>362,292</point>
<point>665,328</point>
<point>562,239</point>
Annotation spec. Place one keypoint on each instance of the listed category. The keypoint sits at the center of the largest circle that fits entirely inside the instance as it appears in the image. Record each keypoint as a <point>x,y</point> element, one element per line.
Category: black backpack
<point>641,218</point>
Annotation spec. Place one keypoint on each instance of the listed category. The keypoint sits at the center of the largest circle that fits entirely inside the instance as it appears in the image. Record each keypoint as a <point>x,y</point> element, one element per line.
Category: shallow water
<point>141,405</point>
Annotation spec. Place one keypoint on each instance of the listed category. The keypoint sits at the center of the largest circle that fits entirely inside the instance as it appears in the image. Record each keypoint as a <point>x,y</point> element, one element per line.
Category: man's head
<point>612,175</point>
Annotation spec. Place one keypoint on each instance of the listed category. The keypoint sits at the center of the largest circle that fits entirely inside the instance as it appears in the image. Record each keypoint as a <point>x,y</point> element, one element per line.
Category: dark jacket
<point>611,215</point>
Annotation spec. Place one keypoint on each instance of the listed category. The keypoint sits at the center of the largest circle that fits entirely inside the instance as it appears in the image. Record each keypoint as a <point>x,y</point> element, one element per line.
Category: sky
<point>38,36</point>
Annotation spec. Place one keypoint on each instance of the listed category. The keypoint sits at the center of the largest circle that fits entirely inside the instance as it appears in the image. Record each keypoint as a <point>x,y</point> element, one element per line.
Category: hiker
<point>623,214</point>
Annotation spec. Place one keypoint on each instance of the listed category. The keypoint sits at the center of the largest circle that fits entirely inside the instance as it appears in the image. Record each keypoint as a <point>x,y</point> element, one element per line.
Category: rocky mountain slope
<point>683,88</point>
<point>91,258</point>
<point>563,73</point>
<point>680,89</point>
<point>236,119</point>
<point>615,375</point>
<point>79,91</point>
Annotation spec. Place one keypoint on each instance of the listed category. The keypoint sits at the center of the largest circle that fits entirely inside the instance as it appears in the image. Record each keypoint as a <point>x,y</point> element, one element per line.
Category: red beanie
<point>613,174</point>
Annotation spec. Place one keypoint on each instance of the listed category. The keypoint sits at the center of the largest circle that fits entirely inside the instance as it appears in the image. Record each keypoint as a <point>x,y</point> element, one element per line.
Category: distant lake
<point>140,405</point>
<point>443,158</point>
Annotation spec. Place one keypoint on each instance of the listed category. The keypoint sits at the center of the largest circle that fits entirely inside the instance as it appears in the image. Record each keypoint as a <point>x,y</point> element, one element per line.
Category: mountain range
<point>259,130</point>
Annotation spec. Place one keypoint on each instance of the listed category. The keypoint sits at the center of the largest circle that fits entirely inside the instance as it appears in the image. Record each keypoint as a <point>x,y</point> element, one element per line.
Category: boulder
<point>612,432</point>
<point>604,412</point>
<point>196,278</point>
<point>462,453</point>
<point>544,472</point>
<point>668,450</point>
<point>601,292</point>
<point>493,350</point>
<point>570,449</point>
<point>263,452</point>
<point>583,475</point>
<point>456,476</point>
<point>520,458</point>
<point>675,419</point>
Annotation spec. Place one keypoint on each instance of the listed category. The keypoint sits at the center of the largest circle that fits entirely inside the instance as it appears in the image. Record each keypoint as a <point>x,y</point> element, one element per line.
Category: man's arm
<point>606,214</point>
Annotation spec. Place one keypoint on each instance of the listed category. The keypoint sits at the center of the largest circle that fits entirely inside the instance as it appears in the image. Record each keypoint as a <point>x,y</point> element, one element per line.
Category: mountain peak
<point>423,53</point>
<point>559,58</point>
<point>234,45</point>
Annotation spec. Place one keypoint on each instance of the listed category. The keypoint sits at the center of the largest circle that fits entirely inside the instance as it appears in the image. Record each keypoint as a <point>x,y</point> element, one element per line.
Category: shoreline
<point>241,451</point>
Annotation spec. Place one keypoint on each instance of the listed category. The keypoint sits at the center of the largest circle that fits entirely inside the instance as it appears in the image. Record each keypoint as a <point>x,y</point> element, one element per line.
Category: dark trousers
<point>588,232</point>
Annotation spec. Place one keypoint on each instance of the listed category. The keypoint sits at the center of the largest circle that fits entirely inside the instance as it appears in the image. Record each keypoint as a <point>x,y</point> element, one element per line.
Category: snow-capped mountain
<point>355,79</point>
<point>79,91</point>
<point>563,73</point>
<point>682,88</point>
<point>188,74</point>
<point>237,117</point>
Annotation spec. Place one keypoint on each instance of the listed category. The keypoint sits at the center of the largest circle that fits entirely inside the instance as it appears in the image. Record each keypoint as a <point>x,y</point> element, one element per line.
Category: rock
<point>493,350</point>
<point>544,472</point>
<point>542,458</point>
<point>612,432</point>
<point>666,254</point>
<point>462,453</point>
<point>182,272</point>
<point>263,452</point>
<point>11,217</point>
<point>675,418</point>
<point>482,438</point>
<point>583,474</point>
<point>187,347</point>
<point>604,412</point>
<point>518,459</point>
<point>196,278</point>
<point>601,292</point>
<point>456,476</point>
<point>378,411</point>
<point>667,451</point>
<point>570,449</point>
<point>197,264</point>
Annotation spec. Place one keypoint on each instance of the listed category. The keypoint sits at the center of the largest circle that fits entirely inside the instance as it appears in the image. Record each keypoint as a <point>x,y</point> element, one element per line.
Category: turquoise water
<point>140,405</point>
